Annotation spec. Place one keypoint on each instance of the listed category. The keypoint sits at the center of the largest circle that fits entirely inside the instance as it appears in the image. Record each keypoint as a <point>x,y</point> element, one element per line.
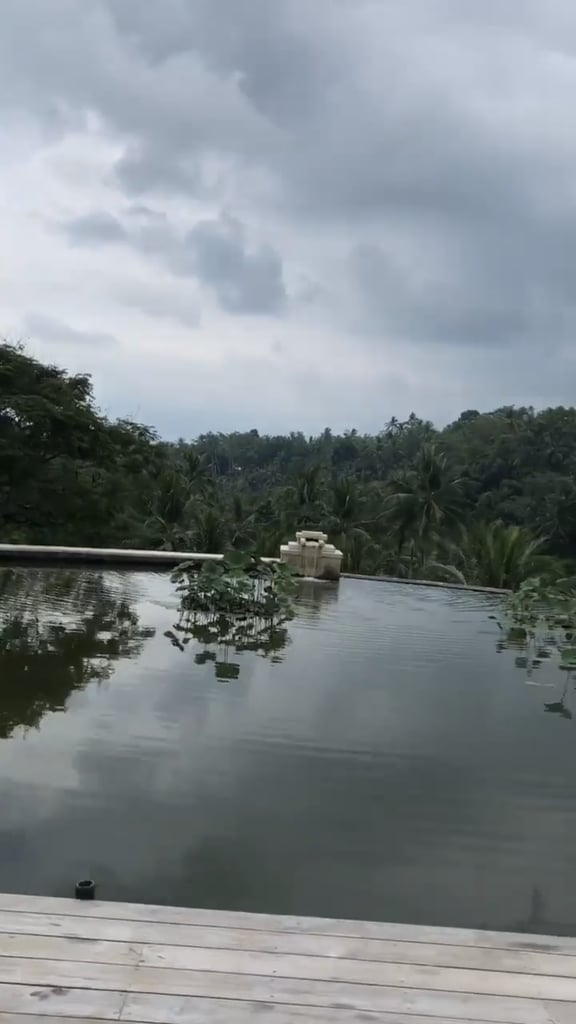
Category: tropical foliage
<point>539,621</point>
<point>490,499</point>
<point>241,584</point>
<point>237,604</point>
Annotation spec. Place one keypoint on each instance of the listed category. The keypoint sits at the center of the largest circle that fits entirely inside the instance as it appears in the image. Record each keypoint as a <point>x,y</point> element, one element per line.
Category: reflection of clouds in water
<point>67,592</point>
<point>393,766</point>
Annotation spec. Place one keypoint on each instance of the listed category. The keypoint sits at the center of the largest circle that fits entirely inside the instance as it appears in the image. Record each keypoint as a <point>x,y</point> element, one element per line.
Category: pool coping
<point>425,583</point>
<point>50,553</point>
<point>126,556</point>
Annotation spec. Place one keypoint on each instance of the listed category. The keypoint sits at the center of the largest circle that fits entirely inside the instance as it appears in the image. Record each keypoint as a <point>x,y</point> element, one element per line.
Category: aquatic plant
<point>539,619</point>
<point>239,603</point>
<point>240,584</point>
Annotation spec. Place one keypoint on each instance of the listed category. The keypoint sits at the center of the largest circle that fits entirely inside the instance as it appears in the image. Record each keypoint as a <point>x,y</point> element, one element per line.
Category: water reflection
<point>391,765</point>
<point>223,636</point>
<point>316,597</point>
<point>539,662</point>
<point>560,706</point>
<point>59,631</point>
<point>537,921</point>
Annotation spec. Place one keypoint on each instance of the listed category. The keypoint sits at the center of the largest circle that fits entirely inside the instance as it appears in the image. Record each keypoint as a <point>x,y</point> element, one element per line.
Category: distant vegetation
<point>489,499</point>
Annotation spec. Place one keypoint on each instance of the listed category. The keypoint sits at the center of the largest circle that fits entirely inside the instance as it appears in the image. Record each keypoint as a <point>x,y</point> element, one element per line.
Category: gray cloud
<point>163,303</point>
<point>278,64</point>
<point>443,149</point>
<point>45,328</point>
<point>96,228</point>
<point>146,214</point>
<point>245,280</point>
<point>143,169</point>
<point>414,160</point>
<point>486,284</point>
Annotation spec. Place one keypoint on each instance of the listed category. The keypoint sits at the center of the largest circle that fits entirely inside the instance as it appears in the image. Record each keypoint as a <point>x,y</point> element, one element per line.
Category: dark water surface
<point>392,765</point>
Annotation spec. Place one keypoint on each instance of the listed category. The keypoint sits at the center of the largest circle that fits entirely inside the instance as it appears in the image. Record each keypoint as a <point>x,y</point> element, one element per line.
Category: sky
<point>287,214</point>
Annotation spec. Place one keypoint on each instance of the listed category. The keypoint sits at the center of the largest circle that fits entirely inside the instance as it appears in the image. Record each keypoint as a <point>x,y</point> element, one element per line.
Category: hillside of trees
<point>489,499</point>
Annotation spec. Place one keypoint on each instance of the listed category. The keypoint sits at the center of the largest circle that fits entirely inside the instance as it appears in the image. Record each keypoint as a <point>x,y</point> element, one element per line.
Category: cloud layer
<point>356,209</point>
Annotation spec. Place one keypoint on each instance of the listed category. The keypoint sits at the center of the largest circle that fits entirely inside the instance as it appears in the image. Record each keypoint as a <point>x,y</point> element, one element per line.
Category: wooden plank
<point>364,999</point>
<point>60,948</point>
<point>63,973</point>
<point>211,966</point>
<point>362,972</point>
<point>76,927</point>
<point>561,1013</point>
<point>189,1010</point>
<point>212,984</point>
<point>267,922</point>
<point>373,950</point>
<point>229,1011</point>
<point>60,1001</point>
<point>214,968</point>
<point>163,935</point>
<point>37,1018</point>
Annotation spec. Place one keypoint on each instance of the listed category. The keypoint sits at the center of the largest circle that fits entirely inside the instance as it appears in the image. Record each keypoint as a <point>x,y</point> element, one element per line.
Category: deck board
<point>127,912</point>
<point>98,961</point>
<point>225,1011</point>
<point>161,938</point>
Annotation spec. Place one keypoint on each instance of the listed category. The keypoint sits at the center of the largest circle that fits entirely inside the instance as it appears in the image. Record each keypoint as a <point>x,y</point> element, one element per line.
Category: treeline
<point>489,499</point>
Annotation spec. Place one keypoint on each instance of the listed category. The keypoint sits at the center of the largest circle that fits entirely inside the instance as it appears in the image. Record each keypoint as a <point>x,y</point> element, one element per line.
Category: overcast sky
<point>292,213</point>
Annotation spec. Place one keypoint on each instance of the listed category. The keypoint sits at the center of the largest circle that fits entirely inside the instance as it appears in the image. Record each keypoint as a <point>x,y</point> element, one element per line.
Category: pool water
<point>388,761</point>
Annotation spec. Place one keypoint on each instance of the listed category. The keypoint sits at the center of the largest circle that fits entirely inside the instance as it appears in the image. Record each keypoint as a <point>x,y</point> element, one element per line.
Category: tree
<point>67,474</point>
<point>425,499</point>
<point>410,500</point>
<point>496,555</point>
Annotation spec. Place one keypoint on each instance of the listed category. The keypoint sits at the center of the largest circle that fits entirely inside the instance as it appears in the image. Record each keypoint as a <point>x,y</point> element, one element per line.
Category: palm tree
<point>425,499</point>
<point>360,551</point>
<point>241,523</point>
<point>262,525</point>
<point>169,510</point>
<point>424,561</point>
<point>198,472</point>
<point>344,514</point>
<point>497,555</point>
<point>306,498</point>
<point>309,486</point>
<point>208,531</point>
<point>393,427</point>
<point>345,503</point>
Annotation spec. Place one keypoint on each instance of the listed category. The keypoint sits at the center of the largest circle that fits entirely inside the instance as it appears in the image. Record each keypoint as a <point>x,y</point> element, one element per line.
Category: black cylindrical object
<point>85,889</point>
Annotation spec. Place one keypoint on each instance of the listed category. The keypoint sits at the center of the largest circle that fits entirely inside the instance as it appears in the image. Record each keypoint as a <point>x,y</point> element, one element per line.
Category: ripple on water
<point>392,764</point>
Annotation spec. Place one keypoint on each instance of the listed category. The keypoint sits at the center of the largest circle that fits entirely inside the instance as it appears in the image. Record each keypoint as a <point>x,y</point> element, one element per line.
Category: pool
<point>387,761</point>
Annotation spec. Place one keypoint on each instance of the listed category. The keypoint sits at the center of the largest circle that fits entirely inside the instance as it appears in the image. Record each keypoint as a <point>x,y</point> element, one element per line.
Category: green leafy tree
<point>496,555</point>
<point>425,499</point>
<point>472,501</point>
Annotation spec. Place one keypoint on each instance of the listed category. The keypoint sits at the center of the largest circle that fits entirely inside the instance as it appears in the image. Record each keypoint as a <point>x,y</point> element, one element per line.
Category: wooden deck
<point>130,962</point>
